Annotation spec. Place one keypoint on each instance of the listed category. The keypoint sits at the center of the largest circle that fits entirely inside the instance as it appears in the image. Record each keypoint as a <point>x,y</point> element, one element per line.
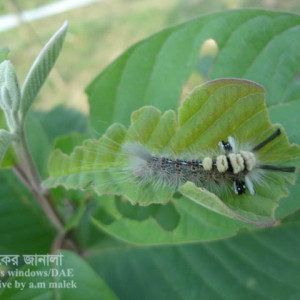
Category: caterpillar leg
<point>249,185</point>
<point>239,187</point>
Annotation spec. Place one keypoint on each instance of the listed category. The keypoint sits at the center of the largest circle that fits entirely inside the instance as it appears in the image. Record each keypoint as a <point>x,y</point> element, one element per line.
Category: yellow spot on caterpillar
<point>207,163</point>
<point>249,159</point>
<point>222,164</point>
<point>237,162</point>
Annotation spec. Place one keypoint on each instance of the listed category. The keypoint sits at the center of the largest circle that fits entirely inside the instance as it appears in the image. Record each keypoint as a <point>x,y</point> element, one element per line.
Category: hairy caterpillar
<point>240,167</point>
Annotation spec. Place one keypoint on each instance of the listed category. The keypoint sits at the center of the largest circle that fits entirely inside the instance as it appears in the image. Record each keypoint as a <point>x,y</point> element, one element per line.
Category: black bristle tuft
<point>280,169</point>
<point>268,140</point>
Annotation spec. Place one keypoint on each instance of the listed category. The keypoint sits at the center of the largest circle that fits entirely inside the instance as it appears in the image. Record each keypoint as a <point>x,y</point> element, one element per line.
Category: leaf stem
<point>26,170</point>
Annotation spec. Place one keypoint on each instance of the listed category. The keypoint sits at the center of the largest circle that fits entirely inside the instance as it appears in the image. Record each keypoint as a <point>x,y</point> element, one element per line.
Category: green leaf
<point>68,142</point>
<point>23,226</point>
<point>10,95</point>
<point>76,217</point>
<point>138,77</point>
<point>61,121</point>
<point>214,111</point>
<point>5,140</point>
<point>289,204</point>
<point>41,68</point>
<point>10,157</point>
<point>262,46</point>
<point>42,129</point>
<point>39,143</point>
<point>3,53</point>
<point>272,60</point>
<point>179,221</point>
<point>264,264</point>
<point>84,283</point>
<point>287,114</point>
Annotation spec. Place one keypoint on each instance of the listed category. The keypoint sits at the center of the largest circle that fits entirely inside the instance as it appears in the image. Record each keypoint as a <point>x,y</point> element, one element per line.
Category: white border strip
<point>12,20</point>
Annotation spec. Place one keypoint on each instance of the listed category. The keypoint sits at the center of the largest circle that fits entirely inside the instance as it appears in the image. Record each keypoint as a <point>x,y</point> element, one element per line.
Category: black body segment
<point>226,146</point>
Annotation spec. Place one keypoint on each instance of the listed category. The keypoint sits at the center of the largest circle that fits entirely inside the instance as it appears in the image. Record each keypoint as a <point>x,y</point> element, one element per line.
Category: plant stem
<point>64,239</point>
<point>26,170</point>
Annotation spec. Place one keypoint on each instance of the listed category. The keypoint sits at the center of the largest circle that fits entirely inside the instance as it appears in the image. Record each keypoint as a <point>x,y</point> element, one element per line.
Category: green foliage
<point>16,103</point>
<point>213,112</point>
<point>258,265</point>
<point>10,95</point>
<point>272,60</point>
<point>256,45</point>
<point>162,224</point>
<point>154,70</point>
<point>41,68</point>
<point>23,227</point>
<point>43,128</point>
<point>5,140</point>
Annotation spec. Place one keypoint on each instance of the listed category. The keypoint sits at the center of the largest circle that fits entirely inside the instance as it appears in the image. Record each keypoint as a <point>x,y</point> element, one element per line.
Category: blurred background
<point>99,31</point>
